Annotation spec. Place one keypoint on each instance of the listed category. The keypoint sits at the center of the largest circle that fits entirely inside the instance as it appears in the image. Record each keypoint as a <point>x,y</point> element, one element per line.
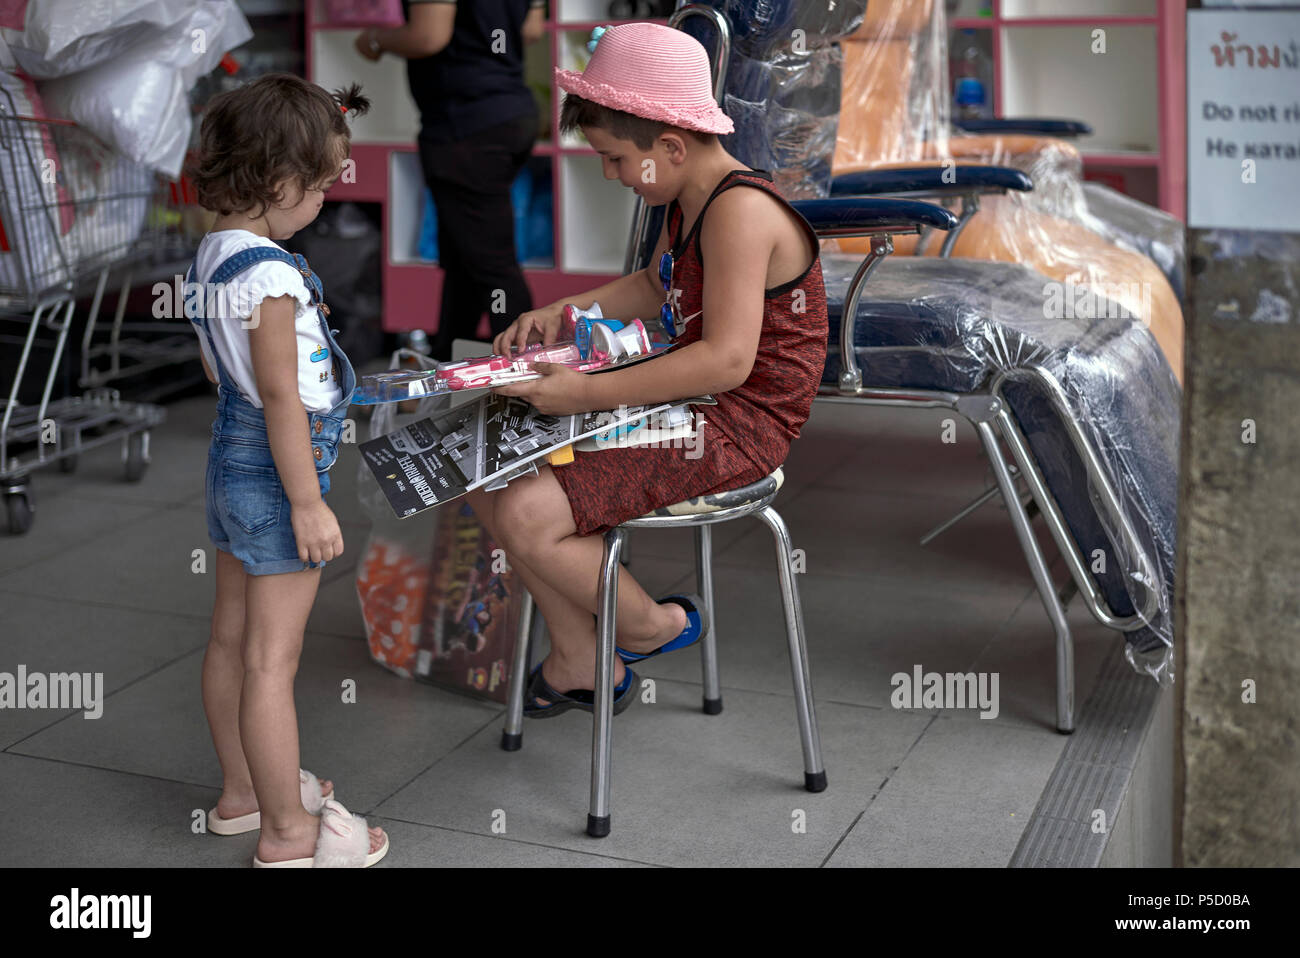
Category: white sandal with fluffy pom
<point>344,842</point>
<point>312,800</point>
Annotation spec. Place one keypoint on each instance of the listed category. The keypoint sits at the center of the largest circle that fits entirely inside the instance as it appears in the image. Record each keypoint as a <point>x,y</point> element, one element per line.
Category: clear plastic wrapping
<point>1154,233</point>
<point>895,111</point>
<point>136,100</point>
<point>764,29</point>
<point>786,111</point>
<point>964,326</point>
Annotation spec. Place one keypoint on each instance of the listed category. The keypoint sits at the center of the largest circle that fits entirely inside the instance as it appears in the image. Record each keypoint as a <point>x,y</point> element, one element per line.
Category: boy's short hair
<point>577,112</point>
<point>274,128</point>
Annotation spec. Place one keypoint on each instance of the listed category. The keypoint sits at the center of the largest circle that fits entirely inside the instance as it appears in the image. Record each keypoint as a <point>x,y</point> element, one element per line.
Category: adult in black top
<point>478,123</point>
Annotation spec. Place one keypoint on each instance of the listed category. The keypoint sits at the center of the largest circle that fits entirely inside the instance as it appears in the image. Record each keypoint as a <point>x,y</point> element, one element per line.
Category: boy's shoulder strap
<point>733,178</point>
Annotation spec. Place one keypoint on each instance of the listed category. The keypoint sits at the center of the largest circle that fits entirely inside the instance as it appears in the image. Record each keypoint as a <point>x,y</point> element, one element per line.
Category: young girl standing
<point>270,150</point>
<point>738,269</point>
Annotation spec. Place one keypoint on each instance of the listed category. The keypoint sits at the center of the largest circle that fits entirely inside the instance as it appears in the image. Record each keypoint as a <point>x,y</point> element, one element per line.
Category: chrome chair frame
<point>988,413</point>
<point>598,815</point>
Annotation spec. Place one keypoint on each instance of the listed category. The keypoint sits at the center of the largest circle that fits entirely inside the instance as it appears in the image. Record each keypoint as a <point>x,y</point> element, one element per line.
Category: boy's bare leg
<point>223,676</point>
<point>276,613</point>
<point>532,519</point>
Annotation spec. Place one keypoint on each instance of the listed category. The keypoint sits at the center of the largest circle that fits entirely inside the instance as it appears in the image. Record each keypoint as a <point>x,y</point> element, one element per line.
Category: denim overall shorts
<point>248,511</point>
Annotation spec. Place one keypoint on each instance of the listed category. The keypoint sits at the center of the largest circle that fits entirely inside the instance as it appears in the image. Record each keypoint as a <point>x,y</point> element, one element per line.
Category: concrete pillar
<point>1238,598</point>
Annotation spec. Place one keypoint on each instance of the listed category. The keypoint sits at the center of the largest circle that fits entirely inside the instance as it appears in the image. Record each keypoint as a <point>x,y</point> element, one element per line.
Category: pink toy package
<point>590,343</point>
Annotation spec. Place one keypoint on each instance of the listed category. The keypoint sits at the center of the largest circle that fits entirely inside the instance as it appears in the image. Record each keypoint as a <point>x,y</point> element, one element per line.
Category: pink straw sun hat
<point>651,71</point>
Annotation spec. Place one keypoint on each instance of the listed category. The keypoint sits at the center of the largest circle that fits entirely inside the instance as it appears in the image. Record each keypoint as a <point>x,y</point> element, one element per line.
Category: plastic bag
<point>137,102</point>
<point>59,37</point>
<point>138,107</point>
<point>393,573</point>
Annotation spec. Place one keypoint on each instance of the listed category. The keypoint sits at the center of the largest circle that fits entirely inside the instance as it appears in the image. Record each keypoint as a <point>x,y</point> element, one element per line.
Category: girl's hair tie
<point>596,34</point>
<point>351,99</point>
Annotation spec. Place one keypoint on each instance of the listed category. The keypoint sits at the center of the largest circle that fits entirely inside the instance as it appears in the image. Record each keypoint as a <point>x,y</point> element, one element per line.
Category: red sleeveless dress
<point>748,434</point>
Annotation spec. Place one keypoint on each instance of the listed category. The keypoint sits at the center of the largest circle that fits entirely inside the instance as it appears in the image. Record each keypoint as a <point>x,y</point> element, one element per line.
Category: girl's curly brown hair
<point>278,127</point>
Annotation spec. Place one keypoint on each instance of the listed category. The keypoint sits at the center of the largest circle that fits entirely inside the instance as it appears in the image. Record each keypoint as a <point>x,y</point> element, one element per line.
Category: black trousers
<point>470,182</point>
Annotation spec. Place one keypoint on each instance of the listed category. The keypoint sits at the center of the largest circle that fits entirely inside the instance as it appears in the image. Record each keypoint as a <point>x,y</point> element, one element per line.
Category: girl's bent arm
<point>273,343</point>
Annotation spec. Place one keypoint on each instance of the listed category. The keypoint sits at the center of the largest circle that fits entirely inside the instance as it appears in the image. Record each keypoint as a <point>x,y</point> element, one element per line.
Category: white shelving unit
<point>1131,94</point>
<point>579,11</point>
<point>1012,9</point>
<point>405,213</point>
<point>597,215</point>
<point>336,63</point>
<point>1052,71</point>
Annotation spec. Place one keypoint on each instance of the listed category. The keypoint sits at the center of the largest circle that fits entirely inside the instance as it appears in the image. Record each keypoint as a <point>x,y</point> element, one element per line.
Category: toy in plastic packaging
<point>589,343</point>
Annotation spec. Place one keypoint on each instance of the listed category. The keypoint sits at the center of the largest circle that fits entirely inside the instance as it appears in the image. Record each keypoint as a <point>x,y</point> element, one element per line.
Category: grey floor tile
<point>679,544</point>
<point>849,421</point>
<point>1024,656</point>
<point>178,453</point>
<point>338,610</point>
<point>49,635</point>
<point>960,799</point>
<point>858,633</point>
<point>862,484</point>
<point>64,519</point>
<point>909,456</point>
<point>867,536</point>
<point>146,564</point>
<point>420,846</point>
<point>370,748</point>
<point>689,789</point>
<point>102,818</point>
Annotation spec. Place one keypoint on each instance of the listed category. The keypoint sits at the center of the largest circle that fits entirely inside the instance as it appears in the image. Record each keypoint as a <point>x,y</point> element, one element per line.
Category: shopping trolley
<point>71,212</point>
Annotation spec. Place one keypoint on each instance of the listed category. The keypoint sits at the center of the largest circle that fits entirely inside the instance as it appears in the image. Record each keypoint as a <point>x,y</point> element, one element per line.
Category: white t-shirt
<point>230,306</point>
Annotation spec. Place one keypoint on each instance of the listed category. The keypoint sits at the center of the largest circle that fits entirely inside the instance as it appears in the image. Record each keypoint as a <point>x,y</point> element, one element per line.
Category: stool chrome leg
<point>512,736</point>
<point>1042,579</point>
<point>602,725</point>
<point>709,647</point>
<point>814,775</point>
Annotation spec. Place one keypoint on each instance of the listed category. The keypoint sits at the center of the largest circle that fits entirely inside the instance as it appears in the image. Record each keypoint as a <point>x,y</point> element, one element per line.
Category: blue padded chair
<point>1016,378</point>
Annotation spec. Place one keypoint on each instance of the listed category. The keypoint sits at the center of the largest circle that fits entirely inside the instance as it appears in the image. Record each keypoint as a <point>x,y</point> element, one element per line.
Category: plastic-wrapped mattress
<point>955,325</point>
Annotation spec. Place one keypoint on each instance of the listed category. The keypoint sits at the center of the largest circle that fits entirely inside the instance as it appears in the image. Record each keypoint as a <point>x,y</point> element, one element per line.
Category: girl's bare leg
<point>276,610</point>
<point>223,677</point>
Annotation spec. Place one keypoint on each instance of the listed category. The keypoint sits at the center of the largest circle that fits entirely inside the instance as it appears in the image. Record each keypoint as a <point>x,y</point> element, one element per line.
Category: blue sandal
<point>539,688</point>
<point>696,629</point>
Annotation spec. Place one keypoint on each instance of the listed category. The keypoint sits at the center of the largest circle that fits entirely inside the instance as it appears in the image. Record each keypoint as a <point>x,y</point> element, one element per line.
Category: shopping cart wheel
<point>68,463</point>
<point>135,457</point>
<point>19,507</point>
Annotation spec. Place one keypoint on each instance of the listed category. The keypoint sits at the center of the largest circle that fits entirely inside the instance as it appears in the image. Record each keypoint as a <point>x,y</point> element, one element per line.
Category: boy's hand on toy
<point>316,530</point>
<point>535,326</point>
<point>560,392</point>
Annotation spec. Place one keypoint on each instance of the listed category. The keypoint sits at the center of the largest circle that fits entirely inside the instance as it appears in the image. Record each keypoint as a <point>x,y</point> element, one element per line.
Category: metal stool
<point>701,513</point>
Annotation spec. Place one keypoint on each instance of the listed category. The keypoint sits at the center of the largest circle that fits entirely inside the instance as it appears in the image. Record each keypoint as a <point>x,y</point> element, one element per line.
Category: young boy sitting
<point>751,333</point>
